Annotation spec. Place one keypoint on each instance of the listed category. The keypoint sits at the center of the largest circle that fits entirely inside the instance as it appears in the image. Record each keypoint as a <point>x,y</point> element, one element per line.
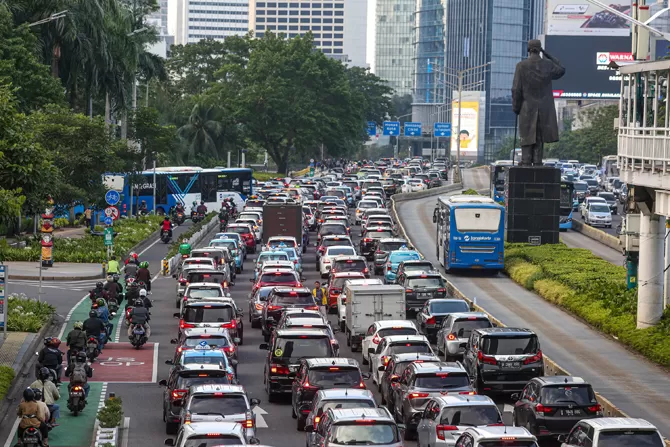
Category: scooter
<point>223,224</point>
<point>113,306</point>
<point>180,218</point>
<point>32,437</point>
<point>76,401</point>
<point>92,349</point>
<point>165,237</point>
<point>138,337</point>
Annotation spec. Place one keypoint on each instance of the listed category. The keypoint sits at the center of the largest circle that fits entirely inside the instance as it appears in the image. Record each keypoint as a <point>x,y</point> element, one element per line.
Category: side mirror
<point>562,438</point>
<point>309,428</point>
<point>515,396</point>
<point>173,341</point>
<point>264,346</point>
<point>169,441</point>
<point>381,368</point>
<point>254,402</point>
<point>366,376</point>
<point>175,315</point>
<point>162,382</point>
<point>169,362</point>
<point>254,441</point>
<point>236,341</point>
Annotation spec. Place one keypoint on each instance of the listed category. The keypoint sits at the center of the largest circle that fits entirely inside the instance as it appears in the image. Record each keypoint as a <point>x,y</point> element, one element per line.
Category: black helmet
<point>44,374</point>
<point>28,395</point>
<point>98,285</point>
<point>92,314</point>
<point>37,392</point>
<point>139,303</point>
<point>81,356</point>
<point>115,278</point>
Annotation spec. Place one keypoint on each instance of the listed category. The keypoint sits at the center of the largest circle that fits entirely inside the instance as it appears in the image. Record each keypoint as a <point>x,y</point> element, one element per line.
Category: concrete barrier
<point>404,196</point>
<point>597,235</point>
<point>551,368</point>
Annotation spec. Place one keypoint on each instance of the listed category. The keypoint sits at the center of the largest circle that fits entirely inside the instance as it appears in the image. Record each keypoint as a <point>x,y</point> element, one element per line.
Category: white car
<point>381,329</point>
<point>215,433</point>
<point>603,432</point>
<point>413,185</point>
<point>326,260</point>
<point>589,200</point>
<point>362,206</point>
<point>598,214</point>
<point>396,344</point>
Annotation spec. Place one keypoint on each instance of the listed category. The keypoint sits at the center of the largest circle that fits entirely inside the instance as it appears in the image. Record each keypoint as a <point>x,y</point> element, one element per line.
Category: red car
<point>277,278</point>
<point>336,285</point>
<point>247,234</point>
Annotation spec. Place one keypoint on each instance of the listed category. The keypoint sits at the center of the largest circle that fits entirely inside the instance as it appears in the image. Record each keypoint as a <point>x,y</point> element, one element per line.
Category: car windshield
<point>196,359</point>
<point>208,314</point>
<point>204,293</point>
<point>296,348</point>
<point>365,433</point>
<point>378,234</point>
<point>387,332</point>
<point>212,440</point>
<point>218,403</point>
<point>297,298</point>
<point>607,196</point>
<point>477,415</point>
<point>254,204</point>
<point>202,262</point>
<point>570,394</point>
<point>364,205</point>
<point>338,282</point>
<point>278,278</point>
<point>642,438</point>
<point>580,186</point>
<point>350,265</point>
<point>281,256</point>
<point>348,403</point>
<point>206,277</point>
<point>617,183</point>
<point>426,283</point>
<point>591,182</point>
<point>417,267</point>
<point>463,328</point>
<point>448,307</point>
<point>420,347</point>
<point>391,246</point>
<point>214,342</point>
<point>341,251</point>
<point>229,245</point>
<point>240,230</point>
<point>334,376</point>
<point>599,208</point>
<point>397,258</point>
<point>510,345</point>
<point>339,241</point>
<point>442,380</point>
<point>276,243</point>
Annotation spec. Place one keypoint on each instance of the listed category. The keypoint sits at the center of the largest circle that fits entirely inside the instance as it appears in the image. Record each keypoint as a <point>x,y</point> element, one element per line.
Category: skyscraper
<point>393,43</point>
<point>210,19</point>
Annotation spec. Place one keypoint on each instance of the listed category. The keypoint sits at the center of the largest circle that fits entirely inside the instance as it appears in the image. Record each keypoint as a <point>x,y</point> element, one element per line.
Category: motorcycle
<point>113,307</point>
<point>165,237</point>
<point>223,223</point>
<point>129,310</point>
<point>76,400</point>
<point>179,219</point>
<point>32,437</point>
<point>92,349</point>
<point>196,217</point>
<point>139,336</point>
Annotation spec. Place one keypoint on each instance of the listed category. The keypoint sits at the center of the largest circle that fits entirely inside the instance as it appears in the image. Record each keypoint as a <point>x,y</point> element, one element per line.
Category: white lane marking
<point>154,374</point>
<point>145,250</point>
<point>103,395</point>
<point>260,420</point>
<point>15,427</point>
<point>69,316</point>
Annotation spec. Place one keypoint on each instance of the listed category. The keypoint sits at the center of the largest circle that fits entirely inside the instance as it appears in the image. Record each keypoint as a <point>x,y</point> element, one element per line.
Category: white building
<point>194,20</point>
<point>339,26</point>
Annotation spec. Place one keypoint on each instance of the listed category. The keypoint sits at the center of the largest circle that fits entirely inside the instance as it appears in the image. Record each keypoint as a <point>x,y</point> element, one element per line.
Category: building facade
<point>339,26</point>
<point>393,43</point>
<point>210,19</point>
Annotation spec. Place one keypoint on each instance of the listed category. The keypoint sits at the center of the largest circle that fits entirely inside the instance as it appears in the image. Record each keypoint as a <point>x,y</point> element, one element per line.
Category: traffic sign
<point>112,197</point>
<point>442,129</point>
<point>108,220</point>
<point>113,212</point>
<point>372,128</point>
<point>109,236</point>
<point>392,128</point>
<point>412,129</point>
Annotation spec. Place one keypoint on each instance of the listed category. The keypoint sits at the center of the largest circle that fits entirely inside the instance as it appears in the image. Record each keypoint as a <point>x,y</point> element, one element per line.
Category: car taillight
<point>597,409</point>
<point>361,385</point>
<point>230,325</point>
<point>431,320</point>
<point>185,325</point>
<point>418,395</point>
<point>486,359</point>
<point>178,394</point>
<point>451,336</point>
<point>543,410</point>
<point>440,429</point>
<point>441,290</point>
<point>376,339</point>
<point>182,282</point>
<point>312,307</point>
<point>385,360</point>
<point>279,369</point>
<point>409,291</point>
<point>365,270</point>
<point>258,306</point>
<point>534,359</point>
<point>187,417</point>
<point>308,386</point>
<point>388,267</point>
<point>274,307</point>
<point>367,239</point>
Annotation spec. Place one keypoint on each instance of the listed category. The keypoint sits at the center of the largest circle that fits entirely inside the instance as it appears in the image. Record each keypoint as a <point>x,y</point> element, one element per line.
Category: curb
<point>597,235</point>
<point>58,278</point>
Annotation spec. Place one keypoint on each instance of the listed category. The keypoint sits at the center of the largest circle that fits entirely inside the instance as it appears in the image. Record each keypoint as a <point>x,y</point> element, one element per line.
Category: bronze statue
<point>533,101</point>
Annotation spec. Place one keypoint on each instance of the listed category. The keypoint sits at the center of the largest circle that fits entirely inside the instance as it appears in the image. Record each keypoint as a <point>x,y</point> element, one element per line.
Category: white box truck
<point>367,304</point>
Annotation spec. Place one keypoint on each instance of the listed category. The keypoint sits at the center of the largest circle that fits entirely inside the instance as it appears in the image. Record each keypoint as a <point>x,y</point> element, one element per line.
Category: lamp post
<point>396,151</point>
<point>54,16</point>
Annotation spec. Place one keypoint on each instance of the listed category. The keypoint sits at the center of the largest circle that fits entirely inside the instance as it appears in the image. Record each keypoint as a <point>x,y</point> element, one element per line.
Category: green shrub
<point>266,176</point>
<point>26,314</point>
<point>6,376</point>
<point>470,192</point>
<point>61,222</point>
<point>111,415</point>
<point>174,247</point>
<point>592,289</point>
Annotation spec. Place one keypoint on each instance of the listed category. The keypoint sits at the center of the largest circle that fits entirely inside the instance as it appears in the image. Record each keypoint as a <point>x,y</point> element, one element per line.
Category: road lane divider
<point>597,235</point>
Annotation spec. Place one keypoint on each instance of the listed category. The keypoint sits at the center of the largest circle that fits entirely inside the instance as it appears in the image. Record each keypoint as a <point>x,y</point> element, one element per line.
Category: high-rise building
<point>210,19</point>
<point>339,26</point>
<point>393,43</point>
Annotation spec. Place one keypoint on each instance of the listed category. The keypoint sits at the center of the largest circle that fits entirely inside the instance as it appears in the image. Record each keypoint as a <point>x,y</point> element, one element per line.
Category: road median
<point>597,235</point>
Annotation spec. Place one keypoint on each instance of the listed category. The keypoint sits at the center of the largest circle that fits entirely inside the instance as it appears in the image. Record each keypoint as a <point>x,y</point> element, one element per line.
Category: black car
<point>316,374</point>
<point>611,201</point>
<point>421,287</point>
<point>382,248</point>
<point>285,350</point>
<point>280,299</point>
<point>502,360</point>
<point>434,311</point>
<point>370,238</point>
<point>406,267</point>
<point>389,186</point>
<point>394,370</point>
<point>552,405</point>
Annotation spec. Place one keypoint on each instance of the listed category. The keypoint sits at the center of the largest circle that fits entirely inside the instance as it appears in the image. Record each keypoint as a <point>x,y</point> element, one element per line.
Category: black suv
<point>552,405</point>
<point>370,238</point>
<point>285,350</point>
<point>318,374</point>
<point>421,287</point>
<point>429,319</point>
<point>382,248</point>
<point>406,267</point>
<point>283,298</point>
<point>501,360</point>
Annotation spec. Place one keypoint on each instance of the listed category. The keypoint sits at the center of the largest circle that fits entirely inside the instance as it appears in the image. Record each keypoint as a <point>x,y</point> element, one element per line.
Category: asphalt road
<point>634,385</point>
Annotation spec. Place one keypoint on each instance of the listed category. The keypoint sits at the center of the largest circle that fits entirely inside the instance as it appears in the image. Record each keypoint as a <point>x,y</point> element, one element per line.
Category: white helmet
<point>143,292</point>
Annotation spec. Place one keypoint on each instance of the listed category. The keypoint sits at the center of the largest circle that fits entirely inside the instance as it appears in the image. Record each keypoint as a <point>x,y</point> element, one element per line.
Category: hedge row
<point>25,314</point>
<point>174,247</point>
<point>88,249</point>
<point>6,376</point>
<point>592,289</point>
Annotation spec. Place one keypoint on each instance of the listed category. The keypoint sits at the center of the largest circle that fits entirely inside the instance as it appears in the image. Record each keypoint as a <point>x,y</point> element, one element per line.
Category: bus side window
<point>435,214</point>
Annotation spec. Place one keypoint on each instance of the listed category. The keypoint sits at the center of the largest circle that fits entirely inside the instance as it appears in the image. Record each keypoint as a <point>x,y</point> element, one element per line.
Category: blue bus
<point>569,204</point>
<point>181,184</point>
<point>470,233</point>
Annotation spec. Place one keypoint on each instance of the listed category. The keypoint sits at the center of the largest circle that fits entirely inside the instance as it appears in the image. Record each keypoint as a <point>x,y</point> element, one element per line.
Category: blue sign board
<point>392,128</point>
<point>372,128</point>
<point>412,129</point>
<point>108,220</point>
<point>112,197</point>
<point>442,129</point>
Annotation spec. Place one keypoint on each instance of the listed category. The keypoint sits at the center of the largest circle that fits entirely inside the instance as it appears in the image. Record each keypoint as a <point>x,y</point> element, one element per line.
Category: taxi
<point>216,338</point>
<point>287,241</point>
<point>293,256</point>
<point>394,259</point>
<point>234,247</point>
<point>269,256</point>
<point>274,266</point>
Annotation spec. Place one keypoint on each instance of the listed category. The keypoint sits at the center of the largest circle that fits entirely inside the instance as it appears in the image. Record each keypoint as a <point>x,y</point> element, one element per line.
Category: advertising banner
<point>582,18</point>
<point>469,131</point>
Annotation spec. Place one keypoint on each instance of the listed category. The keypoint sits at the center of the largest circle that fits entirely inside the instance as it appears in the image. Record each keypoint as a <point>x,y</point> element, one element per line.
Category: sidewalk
<point>61,271</point>
<point>14,348</point>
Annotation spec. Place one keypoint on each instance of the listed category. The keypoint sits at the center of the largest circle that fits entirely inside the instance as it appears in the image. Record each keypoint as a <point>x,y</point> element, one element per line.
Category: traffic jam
<point>358,337</point>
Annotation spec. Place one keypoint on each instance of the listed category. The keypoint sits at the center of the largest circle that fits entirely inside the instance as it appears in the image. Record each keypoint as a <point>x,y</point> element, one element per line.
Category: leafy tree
<point>192,68</point>
<point>202,131</point>
<point>151,137</point>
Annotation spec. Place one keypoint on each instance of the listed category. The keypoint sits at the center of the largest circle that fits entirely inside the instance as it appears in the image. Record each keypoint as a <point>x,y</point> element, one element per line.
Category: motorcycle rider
<point>51,357</point>
<point>232,207</point>
<point>179,208</point>
<point>114,289</point>
<point>103,314</point>
<point>113,266</point>
<point>144,275</point>
<point>132,265</point>
<point>132,293</point>
<point>194,207</point>
<point>202,209</point>
<point>143,208</point>
<point>185,248</point>
<point>139,316</point>
<point>98,292</point>
<point>166,226</point>
<point>224,213</point>
<point>29,416</point>
<point>80,372</point>
<point>76,340</point>
<point>145,300</point>
<point>49,391</point>
<point>44,408</point>
<point>95,327</point>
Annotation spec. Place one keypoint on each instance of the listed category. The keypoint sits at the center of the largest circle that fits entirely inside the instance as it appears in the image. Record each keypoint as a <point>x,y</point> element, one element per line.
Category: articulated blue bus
<point>569,204</point>
<point>181,184</point>
<point>470,233</point>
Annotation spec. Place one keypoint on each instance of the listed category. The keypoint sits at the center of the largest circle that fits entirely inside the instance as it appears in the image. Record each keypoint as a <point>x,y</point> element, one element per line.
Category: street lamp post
<point>54,16</point>
<point>396,151</point>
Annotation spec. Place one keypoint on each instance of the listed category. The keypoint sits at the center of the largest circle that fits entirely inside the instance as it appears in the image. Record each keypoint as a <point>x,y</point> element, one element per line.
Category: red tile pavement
<point>121,363</point>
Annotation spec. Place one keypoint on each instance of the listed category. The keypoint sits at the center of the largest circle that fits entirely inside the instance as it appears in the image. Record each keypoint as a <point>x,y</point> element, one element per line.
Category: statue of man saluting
<point>533,101</point>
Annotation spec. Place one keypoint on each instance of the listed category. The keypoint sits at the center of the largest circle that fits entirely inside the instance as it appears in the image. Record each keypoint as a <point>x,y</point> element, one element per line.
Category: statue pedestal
<point>533,203</point>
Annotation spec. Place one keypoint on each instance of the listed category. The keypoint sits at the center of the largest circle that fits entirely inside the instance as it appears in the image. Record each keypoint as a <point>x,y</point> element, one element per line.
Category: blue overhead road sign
<point>392,128</point>
<point>372,128</point>
<point>442,129</point>
<point>412,129</point>
<point>112,197</point>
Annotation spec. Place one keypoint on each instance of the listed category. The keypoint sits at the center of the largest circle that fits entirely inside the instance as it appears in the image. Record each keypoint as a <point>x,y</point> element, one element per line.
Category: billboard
<point>469,131</point>
<point>582,18</point>
<point>586,60</point>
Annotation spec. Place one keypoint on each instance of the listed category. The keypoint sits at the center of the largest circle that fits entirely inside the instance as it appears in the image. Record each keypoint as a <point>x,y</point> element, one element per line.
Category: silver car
<point>455,332</point>
<point>359,426</point>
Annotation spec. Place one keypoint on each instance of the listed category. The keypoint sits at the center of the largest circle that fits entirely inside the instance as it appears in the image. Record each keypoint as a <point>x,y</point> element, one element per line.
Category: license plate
<point>30,439</point>
<point>511,364</point>
<point>426,294</point>
<point>293,368</point>
<point>568,412</point>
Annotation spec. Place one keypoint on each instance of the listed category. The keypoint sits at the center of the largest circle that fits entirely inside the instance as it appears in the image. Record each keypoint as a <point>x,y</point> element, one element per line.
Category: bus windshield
<point>477,219</point>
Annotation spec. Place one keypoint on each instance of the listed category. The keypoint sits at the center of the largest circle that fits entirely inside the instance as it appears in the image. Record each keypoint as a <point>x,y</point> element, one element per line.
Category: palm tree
<point>202,131</point>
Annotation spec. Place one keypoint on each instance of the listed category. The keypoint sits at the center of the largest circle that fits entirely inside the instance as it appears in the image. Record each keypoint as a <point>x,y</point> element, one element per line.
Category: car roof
<point>414,356</point>
<point>420,273</point>
<point>295,332</point>
<point>306,321</point>
<point>301,310</point>
<point>331,361</point>
<point>466,315</point>
<point>496,432</point>
<point>209,285</point>
<point>401,338</point>
<point>203,270</point>
<point>385,324</point>
<point>345,393</point>
<point>619,423</point>
<point>291,289</point>
<point>458,400</point>
<point>392,239</point>
<point>202,428</point>
<point>199,259</point>
<point>217,388</point>
<point>353,414</point>
<point>416,261</point>
<point>436,367</point>
<point>334,247</point>
<point>562,380</point>
<point>348,258</point>
<point>505,331</point>
<point>203,303</point>
<point>197,332</point>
